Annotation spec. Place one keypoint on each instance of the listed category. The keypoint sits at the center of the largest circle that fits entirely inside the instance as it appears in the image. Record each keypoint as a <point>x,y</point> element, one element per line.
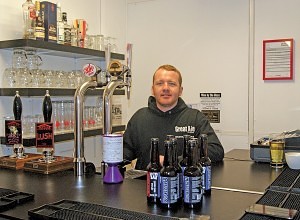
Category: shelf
<point>54,49</point>
<point>29,142</point>
<point>27,92</point>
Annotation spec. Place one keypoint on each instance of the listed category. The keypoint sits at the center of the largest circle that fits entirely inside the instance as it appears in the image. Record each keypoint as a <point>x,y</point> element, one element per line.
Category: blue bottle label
<point>206,180</point>
<point>153,184</point>
<point>168,187</point>
<point>192,189</point>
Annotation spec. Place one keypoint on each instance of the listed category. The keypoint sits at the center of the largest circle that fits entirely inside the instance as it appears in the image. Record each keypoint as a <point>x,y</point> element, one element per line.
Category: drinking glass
<point>277,145</point>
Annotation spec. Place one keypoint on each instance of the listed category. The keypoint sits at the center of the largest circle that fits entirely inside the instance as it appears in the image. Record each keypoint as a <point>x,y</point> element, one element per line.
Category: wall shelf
<point>54,49</point>
<point>30,142</point>
<point>53,92</point>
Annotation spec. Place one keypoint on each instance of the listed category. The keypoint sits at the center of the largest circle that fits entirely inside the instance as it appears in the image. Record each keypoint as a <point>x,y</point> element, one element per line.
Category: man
<point>166,114</point>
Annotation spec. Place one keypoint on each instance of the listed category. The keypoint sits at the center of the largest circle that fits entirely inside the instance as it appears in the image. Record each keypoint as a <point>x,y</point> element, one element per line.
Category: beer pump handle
<point>47,107</point>
<point>17,106</point>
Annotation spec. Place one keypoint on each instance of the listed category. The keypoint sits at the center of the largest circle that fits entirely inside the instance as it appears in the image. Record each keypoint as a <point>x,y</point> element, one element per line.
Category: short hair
<point>169,68</point>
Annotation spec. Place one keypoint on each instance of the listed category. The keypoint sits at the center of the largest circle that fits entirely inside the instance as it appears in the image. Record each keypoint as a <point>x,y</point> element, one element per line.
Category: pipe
<point>79,159</point>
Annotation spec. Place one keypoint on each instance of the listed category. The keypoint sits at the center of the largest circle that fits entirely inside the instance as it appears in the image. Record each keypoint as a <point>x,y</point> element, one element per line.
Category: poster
<point>210,106</point>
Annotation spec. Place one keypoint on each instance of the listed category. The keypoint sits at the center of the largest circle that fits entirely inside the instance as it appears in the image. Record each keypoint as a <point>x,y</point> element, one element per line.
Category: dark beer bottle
<point>153,173</point>
<point>168,179</point>
<point>183,162</point>
<point>178,170</point>
<point>17,106</point>
<point>205,162</point>
<point>47,107</point>
<point>192,196</point>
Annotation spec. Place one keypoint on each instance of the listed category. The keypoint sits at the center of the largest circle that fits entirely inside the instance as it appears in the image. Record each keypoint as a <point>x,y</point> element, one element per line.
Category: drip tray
<point>286,180</point>
<point>69,210</point>
<point>16,163</point>
<point>59,164</point>
<point>11,198</point>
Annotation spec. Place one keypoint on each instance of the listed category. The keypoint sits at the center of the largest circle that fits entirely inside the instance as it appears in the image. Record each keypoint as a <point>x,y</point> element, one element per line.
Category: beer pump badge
<point>89,69</point>
<point>44,135</point>
<point>13,132</point>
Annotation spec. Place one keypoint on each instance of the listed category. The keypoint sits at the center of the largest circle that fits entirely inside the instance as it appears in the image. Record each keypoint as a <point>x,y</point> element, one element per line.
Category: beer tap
<point>114,75</point>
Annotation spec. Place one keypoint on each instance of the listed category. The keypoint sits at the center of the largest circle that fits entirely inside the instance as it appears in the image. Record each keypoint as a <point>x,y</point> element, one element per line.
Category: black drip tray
<point>273,198</point>
<point>250,216</point>
<point>72,210</point>
<point>285,180</point>
<point>11,198</point>
<point>296,186</point>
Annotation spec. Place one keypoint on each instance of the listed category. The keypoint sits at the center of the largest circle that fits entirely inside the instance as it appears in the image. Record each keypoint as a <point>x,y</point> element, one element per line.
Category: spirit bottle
<point>17,106</point>
<point>47,107</point>
<point>67,29</point>
<point>39,23</point>
<point>60,26</point>
<point>29,16</point>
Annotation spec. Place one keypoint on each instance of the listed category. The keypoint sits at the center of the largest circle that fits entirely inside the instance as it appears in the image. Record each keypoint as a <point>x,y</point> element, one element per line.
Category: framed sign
<point>278,58</point>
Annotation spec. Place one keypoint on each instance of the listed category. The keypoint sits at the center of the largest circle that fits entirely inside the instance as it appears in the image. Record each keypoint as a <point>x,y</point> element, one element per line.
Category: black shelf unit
<point>55,49</point>
<point>30,142</point>
<point>53,92</point>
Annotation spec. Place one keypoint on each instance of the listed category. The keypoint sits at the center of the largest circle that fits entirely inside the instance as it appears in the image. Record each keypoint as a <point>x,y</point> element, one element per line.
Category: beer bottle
<point>205,162</point>
<point>17,106</point>
<point>193,193</point>
<point>183,162</point>
<point>47,107</point>
<point>178,170</point>
<point>153,173</point>
<point>168,179</point>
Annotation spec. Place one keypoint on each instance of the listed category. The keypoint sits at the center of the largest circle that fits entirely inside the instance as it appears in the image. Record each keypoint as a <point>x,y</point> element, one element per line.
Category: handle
<point>47,107</point>
<point>17,106</point>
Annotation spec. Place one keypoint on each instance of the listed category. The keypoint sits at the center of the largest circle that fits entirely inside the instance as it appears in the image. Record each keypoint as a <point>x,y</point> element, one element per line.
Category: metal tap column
<point>79,159</point>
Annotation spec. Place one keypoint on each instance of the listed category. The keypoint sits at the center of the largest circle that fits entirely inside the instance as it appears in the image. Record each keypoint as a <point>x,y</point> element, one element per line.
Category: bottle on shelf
<point>153,173</point>
<point>168,179</point>
<point>205,162</point>
<point>60,25</point>
<point>47,107</point>
<point>67,29</point>
<point>193,193</point>
<point>39,23</point>
<point>29,19</point>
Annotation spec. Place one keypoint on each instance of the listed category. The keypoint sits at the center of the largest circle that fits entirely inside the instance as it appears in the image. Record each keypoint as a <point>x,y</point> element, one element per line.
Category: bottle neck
<point>204,146</point>
<point>168,158</point>
<point>186,139</point>
<point>192,153</point>
<point>154,151</point>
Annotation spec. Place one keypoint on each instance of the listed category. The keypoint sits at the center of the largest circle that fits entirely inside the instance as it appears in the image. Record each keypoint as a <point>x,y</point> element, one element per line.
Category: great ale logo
<point>187,129</point>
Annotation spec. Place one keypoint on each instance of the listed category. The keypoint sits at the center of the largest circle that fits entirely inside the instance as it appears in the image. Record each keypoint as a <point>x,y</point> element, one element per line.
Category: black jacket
<point>149,122</point>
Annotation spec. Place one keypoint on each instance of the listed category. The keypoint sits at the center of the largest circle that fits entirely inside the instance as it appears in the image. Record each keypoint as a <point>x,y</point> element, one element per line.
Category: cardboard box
<point>48,11</point>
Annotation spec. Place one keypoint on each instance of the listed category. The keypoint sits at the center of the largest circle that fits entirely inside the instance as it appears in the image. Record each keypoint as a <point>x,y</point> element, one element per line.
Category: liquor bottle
<point>153,173</point>
<point>168,179</point>
<point>74,36</point>
<point>60,25</point>
<point>205,162</point>
<point>47,107</point>
<point>192,196</point>
<point>178,170</point>
<point>39,23</point>
<point>29,14</point>
<point>17,106</point>
<point>67,30</point>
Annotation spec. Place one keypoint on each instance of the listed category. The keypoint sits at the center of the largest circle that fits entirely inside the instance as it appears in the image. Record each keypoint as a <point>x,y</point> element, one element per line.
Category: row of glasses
<point>99,42</point>
<point>23,77</point>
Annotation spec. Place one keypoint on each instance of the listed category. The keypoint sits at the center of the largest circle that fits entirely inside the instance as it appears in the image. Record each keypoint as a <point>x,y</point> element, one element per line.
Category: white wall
<point>208,42</point>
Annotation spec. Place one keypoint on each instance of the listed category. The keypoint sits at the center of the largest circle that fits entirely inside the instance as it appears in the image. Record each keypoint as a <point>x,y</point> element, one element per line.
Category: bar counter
<point>234,189</point>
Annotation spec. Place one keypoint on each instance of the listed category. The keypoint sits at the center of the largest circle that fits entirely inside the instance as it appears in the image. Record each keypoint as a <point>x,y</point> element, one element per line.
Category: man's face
<point>166,89</point>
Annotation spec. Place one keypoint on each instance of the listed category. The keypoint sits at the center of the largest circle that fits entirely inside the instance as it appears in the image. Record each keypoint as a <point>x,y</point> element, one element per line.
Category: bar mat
<point>73,210</point>
<point>11,198</point>
<point>285,180</point>
<point>273,198</point>
<point>250,216</point>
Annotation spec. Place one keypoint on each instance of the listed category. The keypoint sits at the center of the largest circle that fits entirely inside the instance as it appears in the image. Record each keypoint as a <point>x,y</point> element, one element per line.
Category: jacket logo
<point>188,129</point>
